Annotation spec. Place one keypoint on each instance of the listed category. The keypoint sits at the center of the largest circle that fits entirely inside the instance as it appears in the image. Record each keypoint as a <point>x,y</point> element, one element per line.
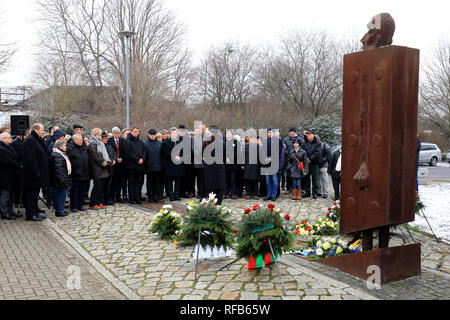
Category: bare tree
<point>305,74</point>
<point>225,76</point>
<point>7,50</point>
<point>80,45</point>
<point>434,105</point>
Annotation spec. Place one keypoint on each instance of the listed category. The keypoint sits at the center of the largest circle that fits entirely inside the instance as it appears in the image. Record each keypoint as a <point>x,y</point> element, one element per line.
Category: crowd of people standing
<point>112,166</point>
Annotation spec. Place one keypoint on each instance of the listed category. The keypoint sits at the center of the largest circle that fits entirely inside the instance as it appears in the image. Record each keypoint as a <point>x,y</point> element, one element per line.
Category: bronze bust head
<point>381,31</point>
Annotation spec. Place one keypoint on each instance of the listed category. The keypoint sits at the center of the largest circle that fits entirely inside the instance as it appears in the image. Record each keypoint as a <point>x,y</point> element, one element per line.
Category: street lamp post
<point>127,35</point>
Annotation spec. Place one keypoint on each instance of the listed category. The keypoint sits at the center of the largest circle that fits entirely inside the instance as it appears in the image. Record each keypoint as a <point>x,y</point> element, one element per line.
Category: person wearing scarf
<point>98,163</point>
<point>60,172</point>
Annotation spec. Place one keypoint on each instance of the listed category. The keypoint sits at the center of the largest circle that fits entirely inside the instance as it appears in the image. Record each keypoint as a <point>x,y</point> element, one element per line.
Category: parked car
<point>429,154</point>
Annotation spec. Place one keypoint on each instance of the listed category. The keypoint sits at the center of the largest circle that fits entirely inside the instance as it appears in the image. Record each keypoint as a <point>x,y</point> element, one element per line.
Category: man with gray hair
<point>9,173</point>
<point>118,145</point>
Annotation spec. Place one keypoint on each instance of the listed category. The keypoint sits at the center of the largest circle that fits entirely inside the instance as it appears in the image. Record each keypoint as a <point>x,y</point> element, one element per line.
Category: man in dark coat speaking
<point>34,171</point>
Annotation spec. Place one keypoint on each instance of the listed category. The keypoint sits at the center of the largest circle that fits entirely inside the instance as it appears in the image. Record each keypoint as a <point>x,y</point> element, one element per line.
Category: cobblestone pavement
<point>34,264</point>
<point>118,239</point>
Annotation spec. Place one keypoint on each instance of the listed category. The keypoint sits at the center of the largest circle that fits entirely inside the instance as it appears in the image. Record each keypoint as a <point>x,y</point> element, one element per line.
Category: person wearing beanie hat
<point>288,141</point>
<point>57,135</point>
<point>152,132</point>
<point>297,167</point>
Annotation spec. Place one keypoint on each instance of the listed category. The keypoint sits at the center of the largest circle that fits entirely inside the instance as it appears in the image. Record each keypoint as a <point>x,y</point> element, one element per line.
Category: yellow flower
<point>333,241</point>
<point>326,246</point>
<point>311,232</point>
<point>175,244</point>
<point>319,243</point>
<point>339,250</point>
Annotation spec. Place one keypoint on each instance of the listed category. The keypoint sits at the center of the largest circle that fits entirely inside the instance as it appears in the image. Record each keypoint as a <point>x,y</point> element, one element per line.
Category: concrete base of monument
<point>391,264</point>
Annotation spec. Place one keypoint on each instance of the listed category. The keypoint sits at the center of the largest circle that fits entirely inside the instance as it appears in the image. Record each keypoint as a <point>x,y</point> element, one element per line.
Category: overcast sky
<point>419,24</point>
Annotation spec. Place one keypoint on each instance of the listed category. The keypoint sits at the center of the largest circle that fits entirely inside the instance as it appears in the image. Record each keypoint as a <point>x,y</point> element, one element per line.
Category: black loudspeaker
<point>19,124</point>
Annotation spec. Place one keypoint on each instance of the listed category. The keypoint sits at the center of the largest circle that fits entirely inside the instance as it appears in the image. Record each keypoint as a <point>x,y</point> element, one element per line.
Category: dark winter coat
<point>134,151</point>
<point>232,145</point>
<point>79,158</point>
<point>325,155</point>
<point>119,167</point>
<point>113,157</point>
<point>59,176</point>
<point>18,147</point>
<point>97,170</point>
<point>251,171</point>
<point>313,151</point>
<point>171,169</point>
<point>35,163</point>
<point>293,169</point>
<point>197,148</point>
<point>281,150</point>
<point>153,155</point>
<point>9,167</point>
<point>332,165</point>
<point>214,174</point>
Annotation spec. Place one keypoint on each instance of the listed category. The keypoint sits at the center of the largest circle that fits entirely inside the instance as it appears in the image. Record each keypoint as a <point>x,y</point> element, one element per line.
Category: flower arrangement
<point>326,247</point>
<point>206,215</point>
<point>334,213</point>
<point>304,229</point>
<point>167,223</point>
<point>257,226</point>
<point>326,227</point>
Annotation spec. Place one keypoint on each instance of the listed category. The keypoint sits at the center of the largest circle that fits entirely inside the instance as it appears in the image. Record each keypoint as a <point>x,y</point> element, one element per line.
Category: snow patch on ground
<point>436,198</point>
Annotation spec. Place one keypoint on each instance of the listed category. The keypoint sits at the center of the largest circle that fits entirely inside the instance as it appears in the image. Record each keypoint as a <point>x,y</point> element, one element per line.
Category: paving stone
<point>310,298</point>
<point>184,284</point>
<point>334,297</point>
<point>229,296</point>
<point>249,296</point>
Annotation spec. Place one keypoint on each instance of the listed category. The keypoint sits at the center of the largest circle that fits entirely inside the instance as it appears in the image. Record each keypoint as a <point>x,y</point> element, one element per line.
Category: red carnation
<point>328,214</point>
<point>309,228</point>
<point>335,208</point>
<point>335,203</point>
<point>235,231</point>
<point>297,232</point>
<point>255,207</point>
<point>304,222</point>
<point>247,211</point>
<point>287,217</point>
<point>329,209</point>
<point>270,206</point>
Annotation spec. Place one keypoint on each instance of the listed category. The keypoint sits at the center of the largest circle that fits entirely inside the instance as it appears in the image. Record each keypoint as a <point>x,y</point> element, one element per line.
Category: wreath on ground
<point>258,226</point>
<point>213,222</point>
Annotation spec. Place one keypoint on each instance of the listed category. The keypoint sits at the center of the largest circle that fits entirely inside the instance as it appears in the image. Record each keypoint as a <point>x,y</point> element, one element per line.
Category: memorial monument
<point>379,133</point>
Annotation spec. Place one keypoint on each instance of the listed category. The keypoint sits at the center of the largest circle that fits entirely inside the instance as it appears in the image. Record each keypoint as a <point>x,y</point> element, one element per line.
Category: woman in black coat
<point>61,179</point>
<point>297,168</point>
<point>252,169</point>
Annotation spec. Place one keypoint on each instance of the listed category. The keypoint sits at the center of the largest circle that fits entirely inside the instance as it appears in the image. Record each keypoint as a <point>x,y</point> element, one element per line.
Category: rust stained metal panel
<point>396,263</point>
<point>380,129</point>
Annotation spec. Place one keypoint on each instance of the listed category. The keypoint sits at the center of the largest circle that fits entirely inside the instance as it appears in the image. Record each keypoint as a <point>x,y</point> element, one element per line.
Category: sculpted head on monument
<point>381,31</point>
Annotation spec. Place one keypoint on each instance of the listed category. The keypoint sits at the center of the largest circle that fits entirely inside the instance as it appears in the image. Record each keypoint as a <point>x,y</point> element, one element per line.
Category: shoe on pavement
<point>34,218</point>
